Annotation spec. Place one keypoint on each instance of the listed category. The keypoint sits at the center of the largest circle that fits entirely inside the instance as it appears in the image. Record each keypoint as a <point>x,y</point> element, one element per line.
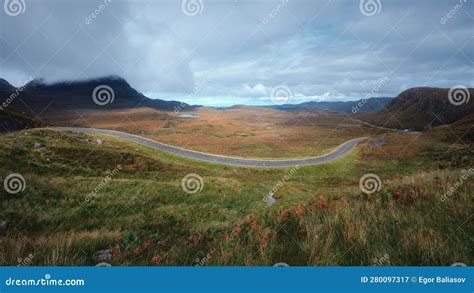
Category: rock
<point>270,199</point>
<point>4,227</point>
<point>103,255</point>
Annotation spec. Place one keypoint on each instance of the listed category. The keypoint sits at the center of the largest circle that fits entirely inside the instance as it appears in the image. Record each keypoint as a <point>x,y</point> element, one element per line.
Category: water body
<point>189,116</point>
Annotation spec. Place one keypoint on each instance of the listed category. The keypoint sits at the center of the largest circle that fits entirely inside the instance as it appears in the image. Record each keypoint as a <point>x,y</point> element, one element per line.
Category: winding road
<point>235,161</point>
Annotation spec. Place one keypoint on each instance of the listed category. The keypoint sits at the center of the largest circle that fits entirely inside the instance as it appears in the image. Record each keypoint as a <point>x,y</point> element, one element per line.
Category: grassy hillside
<point>142,216</point>
<point>422,108</point>
<point>460,131</point>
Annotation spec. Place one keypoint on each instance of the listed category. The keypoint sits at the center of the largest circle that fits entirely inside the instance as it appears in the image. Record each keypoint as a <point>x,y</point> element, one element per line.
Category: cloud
<point>257,90</point>
<point>321,50</point>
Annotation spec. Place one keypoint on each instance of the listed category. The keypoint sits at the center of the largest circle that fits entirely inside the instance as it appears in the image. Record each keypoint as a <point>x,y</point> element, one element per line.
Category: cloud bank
<point>235,52</point>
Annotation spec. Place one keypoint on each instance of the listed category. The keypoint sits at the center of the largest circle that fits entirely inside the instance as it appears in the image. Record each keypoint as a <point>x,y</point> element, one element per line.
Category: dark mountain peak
<point>107,80</point>
<point>111,78</point>
<point>5,86</point>
<point>93,82</point>
<point>87,94</point>
<point>83,89</point>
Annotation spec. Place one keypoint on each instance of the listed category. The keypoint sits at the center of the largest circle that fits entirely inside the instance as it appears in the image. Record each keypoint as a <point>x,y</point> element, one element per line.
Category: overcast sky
<point>236,52</point>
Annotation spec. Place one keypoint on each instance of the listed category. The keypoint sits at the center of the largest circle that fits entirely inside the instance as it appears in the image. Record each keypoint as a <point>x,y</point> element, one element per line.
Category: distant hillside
<point>423,107</point>
<point>459,130</point>
<point>369,105</point>
<point>11,120</point>
<point>64,96</point>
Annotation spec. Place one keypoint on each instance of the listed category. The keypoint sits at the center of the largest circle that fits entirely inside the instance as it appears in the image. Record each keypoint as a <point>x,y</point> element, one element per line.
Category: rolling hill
<point>369,105</point>
<point>423,107</point>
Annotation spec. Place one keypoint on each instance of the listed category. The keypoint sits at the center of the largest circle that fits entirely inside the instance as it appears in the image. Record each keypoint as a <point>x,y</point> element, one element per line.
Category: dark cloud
<point>239,50</point>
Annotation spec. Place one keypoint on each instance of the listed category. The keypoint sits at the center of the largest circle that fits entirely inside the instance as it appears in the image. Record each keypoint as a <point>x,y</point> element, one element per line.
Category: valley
<point>242,132</point>
<point>89,197</point>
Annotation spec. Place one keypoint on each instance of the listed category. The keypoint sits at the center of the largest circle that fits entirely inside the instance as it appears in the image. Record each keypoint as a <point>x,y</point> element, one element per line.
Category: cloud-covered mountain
<point>96,94</point>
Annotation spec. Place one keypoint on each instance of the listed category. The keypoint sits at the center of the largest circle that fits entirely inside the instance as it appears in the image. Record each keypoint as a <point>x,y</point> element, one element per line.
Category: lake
<point>189,116</point>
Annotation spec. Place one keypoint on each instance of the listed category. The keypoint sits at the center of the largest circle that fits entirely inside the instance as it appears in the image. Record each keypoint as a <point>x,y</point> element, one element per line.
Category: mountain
<point>11,120</point>
<point>423,107</point>
<point>5,86</point>
<point>360,106</point>
<point>97,94</point>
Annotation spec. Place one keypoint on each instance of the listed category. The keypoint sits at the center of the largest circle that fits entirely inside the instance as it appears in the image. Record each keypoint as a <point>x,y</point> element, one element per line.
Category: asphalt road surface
<point>217,159</point>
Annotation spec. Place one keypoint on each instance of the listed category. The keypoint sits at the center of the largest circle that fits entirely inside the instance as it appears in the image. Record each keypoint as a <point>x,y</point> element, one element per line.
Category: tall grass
<point>143,217</point>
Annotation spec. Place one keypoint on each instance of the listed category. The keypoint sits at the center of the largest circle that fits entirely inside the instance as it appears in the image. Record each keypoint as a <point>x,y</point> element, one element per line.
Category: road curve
<point>217,159</point>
